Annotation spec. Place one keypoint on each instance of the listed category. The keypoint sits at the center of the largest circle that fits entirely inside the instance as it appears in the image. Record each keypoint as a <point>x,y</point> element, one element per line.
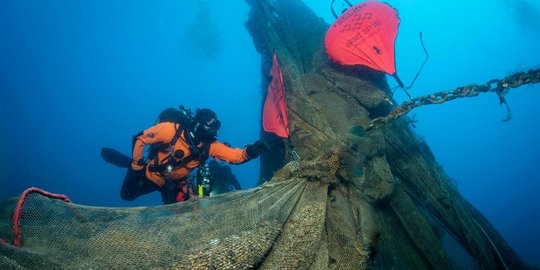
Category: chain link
<point>471,90</point>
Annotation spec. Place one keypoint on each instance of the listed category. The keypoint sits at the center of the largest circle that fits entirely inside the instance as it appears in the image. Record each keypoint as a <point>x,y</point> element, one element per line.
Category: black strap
<point>205,154</point>
<point>156,167</point>
<point>201,153</point>
<point>176,136</point>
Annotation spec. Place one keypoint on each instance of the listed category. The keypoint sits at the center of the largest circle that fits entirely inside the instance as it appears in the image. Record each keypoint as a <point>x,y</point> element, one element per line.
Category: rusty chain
<point>471,90</point>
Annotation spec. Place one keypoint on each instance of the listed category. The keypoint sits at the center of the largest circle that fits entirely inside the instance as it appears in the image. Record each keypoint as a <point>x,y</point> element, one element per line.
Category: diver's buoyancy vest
<point>171,162</point>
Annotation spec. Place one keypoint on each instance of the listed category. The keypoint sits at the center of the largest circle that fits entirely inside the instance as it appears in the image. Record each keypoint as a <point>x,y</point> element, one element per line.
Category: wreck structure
<point>358,198</point>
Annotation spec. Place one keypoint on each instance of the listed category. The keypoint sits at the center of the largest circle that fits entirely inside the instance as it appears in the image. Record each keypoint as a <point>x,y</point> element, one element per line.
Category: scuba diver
<point>178,143</point>
<point>223,179</point>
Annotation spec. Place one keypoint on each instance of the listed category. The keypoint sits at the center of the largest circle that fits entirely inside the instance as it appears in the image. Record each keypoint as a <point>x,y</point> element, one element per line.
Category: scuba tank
<point>204,181</point>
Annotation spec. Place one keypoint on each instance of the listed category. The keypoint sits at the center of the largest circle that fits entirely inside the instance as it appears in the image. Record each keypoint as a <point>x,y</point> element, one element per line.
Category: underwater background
<point>77,76</point>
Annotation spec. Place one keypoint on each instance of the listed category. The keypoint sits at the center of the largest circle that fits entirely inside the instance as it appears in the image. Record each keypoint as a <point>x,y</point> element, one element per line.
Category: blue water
<point>80,75</point>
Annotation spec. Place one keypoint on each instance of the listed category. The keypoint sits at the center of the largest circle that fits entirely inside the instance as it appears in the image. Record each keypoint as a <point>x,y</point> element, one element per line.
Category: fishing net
<point>232,231</point>
<point>355,199</point>
<point>330,212</point>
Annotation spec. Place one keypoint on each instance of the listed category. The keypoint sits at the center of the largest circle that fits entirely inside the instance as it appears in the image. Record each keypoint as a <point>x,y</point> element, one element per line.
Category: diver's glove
<point>138,165</point>
<point>259,147</point>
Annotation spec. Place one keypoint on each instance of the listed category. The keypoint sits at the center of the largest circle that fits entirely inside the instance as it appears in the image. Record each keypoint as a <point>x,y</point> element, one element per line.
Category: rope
<point>423,64</point>
<point>471,90</point>
<point>20,205</point>
<point>492,244</point>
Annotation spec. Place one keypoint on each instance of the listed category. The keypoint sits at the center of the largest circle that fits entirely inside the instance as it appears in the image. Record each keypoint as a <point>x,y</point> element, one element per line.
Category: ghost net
<point>355,199</point>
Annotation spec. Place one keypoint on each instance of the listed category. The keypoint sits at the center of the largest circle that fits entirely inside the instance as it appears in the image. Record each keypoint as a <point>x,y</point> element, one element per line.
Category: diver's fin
<point>116,158</point>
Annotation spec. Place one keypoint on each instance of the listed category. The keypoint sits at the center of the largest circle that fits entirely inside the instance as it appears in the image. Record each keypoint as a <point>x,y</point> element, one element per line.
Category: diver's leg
<point>177,191</point>
<point>169,191</point>
<point>168,196</point>
<point>136,184</point>
<point>115,157</point>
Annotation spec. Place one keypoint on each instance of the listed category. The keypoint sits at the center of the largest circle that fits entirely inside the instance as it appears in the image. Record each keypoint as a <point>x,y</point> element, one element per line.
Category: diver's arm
<point>161,132</point>
<point>137,154</point>
<point>221,151</point>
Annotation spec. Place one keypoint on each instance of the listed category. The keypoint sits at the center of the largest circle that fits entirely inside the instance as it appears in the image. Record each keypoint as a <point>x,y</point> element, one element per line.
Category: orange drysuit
<point>164,133</point>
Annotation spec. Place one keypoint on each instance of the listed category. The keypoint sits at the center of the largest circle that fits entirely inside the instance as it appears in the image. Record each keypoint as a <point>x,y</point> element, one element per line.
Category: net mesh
<point>233,231</point>
<point>381,205</point>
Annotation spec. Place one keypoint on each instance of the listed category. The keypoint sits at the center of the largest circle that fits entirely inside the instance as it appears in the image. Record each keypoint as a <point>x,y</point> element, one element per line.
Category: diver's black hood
<point>170,115</point>
<point>205,125</point>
